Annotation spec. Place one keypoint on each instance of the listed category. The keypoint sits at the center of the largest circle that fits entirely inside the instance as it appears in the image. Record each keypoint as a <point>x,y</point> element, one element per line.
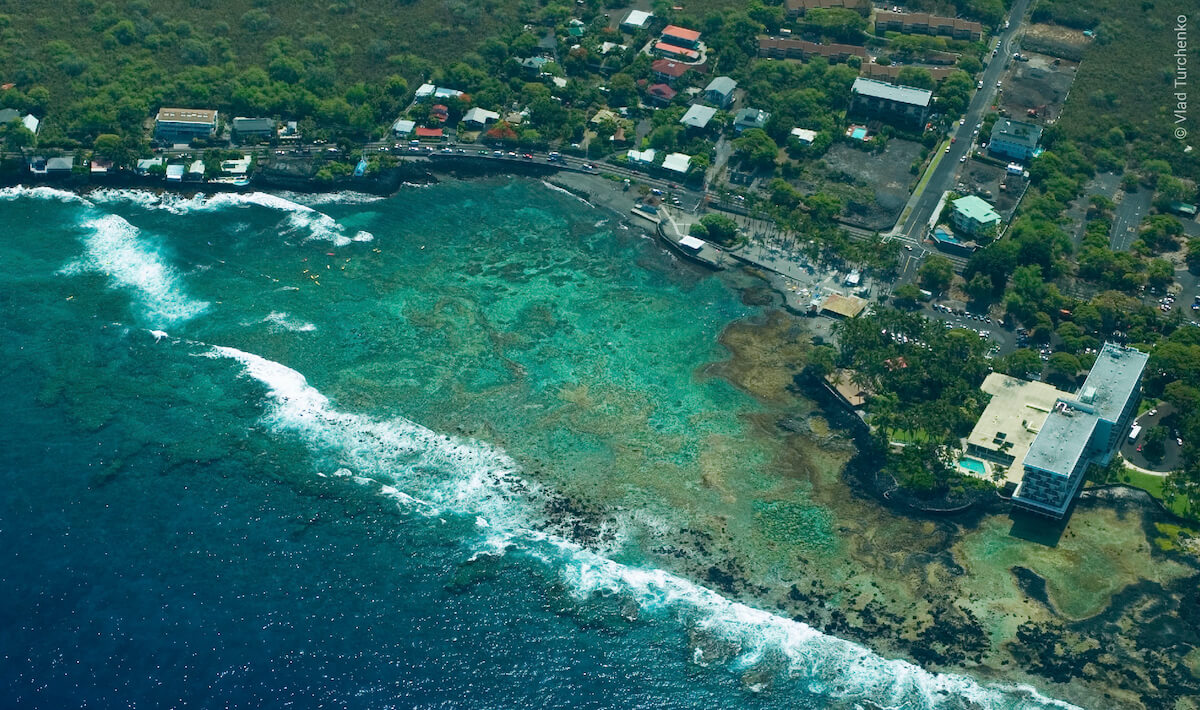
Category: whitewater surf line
<point>470,478</point>
<point>300,218</point>
<point>117,249</point>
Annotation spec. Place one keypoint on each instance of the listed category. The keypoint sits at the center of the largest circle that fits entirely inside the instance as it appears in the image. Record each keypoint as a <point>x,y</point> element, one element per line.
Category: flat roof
<point>1013,418</point>
<point>1019,132</point>
<point>187,115</point>
<point>691,242</point>
<point>891,92</point>
<point>681,33</point>
<point>1063,439</point>
<point>1113,380</point>
<point>637,18</point>
<point>976,209</point>
<point>804,134</point>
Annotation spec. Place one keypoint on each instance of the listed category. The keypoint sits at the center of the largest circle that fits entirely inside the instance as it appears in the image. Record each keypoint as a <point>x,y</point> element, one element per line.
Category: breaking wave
<point>434,474</point>
<point>300,218</point>
<point>118,250</point>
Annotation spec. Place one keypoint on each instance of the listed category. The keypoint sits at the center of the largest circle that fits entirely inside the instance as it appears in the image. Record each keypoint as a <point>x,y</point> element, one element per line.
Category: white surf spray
<point>565,191</point>
<point>41,192</point>
<point>284,321</point>
<point>448,475</point>
<point>301,218</point>
<point>133,262</point>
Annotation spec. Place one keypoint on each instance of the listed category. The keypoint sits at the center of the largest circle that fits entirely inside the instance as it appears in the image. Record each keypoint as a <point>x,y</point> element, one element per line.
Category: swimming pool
<point>859,134</point>
<point>974,466</point>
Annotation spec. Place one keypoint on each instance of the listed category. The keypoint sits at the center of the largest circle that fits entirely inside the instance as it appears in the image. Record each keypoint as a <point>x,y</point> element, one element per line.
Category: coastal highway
<point>913,231</point>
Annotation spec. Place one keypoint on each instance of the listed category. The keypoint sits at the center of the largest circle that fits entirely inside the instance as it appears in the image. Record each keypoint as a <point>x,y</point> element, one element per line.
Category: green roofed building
<point>973,216</point>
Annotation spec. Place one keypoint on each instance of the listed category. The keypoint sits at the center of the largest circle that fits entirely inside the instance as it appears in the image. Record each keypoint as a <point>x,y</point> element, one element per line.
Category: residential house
<point>480,117</point>
<point>660,94</point>
<point>698,117</point>
<point>924,23</point>
<point>973,216</point>
<point>804,135</point>
<point>668,71</point>
<point>175,173</point>
<point>641,157</point>
<point>677,163</point>
<point>534,66</point>
<point>750,118</point>
<point>720,91</point>
<point>100,167</point>
<point>144,165</point>
<point>1014,139</point>
<point>244,129</point>
<point>439,112</point>
<point>37,165</point>
<point>30,121</point>
<point>636,20</point>
<point>798,8</point>
<point>182,125</point>
<point>195,172</point>
<point>428,134</point>
<point>60,166</point>
<point>889,102</point>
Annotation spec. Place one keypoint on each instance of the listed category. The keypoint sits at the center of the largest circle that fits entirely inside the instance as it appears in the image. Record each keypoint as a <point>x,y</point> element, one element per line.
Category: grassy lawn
<point>909,437</point>
<point>1154,486</point>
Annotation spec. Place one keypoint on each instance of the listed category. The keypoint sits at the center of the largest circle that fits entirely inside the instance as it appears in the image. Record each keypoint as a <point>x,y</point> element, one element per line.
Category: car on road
<point>979,84</point>
<point>1179,441</point>
<point>947,148</point>
<point>963,120</point>
<point>1152,412</point>
<point>998,84</point>
<point>963,159</point>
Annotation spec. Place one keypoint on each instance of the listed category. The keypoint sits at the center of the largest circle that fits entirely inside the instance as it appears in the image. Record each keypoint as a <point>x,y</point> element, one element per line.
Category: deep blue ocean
<point>274,451</point>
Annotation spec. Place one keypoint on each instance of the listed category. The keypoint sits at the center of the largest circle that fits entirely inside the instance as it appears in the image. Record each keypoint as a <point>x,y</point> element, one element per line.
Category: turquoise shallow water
<point>383,453</point>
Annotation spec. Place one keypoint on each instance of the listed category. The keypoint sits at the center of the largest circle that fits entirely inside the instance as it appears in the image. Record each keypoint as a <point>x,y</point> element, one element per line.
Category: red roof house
<point>423,132</point>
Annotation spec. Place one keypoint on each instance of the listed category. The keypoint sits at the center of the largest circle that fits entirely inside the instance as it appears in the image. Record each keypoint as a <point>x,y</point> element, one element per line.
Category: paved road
<point>942,179</point>
<point>1128,215</point>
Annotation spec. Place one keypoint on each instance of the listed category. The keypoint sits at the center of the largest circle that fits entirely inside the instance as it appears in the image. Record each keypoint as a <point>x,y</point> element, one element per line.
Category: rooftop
<point>637,18</point>
<point>1109,386</point>
<point>642,156</point>
<point>1013,417</point>
<point>187,115</point>
<point>921,18</point>
<point>698,116</point>
<point>662,91</point>
<point>253,124</point>
<point>892,92</point>
<point>1019,132</point>
<point>752,117</point>
<point>672,49</point>
<point>677,162</point>
<point>722,85</point>
<point>975,208</point>
<point>844,306</point>
<point>1113,380</point>
<point>804,135</point>
<point>681,33</point>
<point>669,67</point>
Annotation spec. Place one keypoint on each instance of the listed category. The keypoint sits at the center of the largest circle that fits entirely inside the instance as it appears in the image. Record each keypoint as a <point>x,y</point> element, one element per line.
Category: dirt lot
<point>1053,39</point>
<point>1037,83</point>
<point>886,175</point>
<point>984,180</point>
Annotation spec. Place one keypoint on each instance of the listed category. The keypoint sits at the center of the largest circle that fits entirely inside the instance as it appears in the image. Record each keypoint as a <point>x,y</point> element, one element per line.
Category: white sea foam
<point>316,199</point>
<point>469,478</point>
<point>41,192</point>
<point>565,191</point>
<point>287,322</point>
<point>117,249</point>
<point>300,218</point>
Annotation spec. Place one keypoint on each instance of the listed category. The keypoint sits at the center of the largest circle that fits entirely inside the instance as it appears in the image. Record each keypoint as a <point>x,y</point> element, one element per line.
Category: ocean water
<point>414,452</point>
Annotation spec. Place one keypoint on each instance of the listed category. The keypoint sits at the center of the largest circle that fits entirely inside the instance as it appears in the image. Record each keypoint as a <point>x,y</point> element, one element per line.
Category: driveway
<point>1173,456</point>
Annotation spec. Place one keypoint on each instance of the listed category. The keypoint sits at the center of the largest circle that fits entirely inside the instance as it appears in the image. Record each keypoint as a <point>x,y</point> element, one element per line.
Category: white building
<point>677,163</point>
